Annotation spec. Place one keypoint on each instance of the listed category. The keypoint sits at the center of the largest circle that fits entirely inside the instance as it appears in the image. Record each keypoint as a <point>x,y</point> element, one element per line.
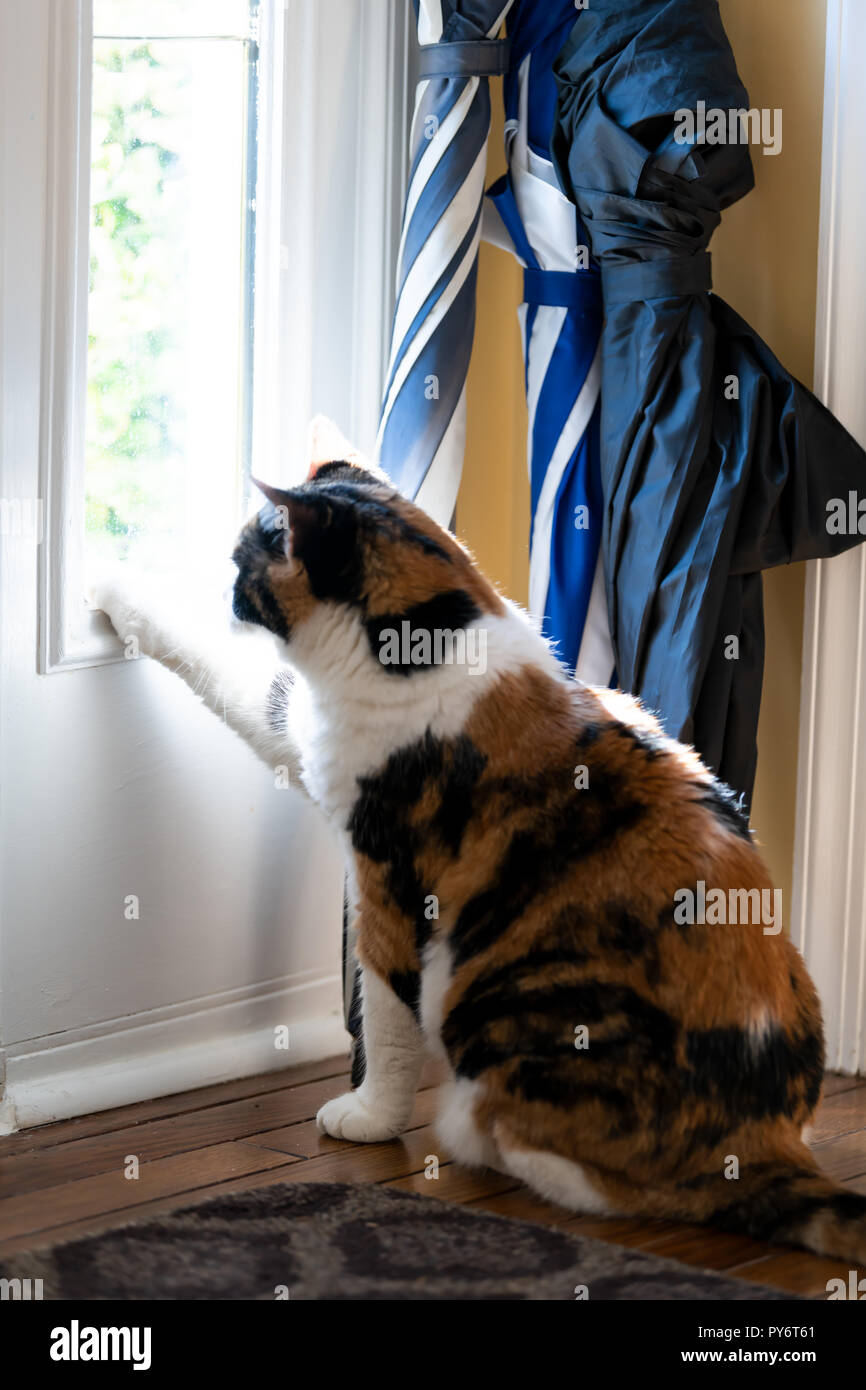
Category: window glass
<point>170,290</point>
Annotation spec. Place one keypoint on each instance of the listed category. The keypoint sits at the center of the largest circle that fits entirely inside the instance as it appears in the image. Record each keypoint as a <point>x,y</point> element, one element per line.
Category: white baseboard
<point>170,1050</point>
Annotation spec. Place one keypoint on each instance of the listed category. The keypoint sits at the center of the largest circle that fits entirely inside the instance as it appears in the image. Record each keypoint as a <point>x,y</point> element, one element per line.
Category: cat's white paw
<point>113,593</point>
<point>132,603</point>
<point>348,1117</point>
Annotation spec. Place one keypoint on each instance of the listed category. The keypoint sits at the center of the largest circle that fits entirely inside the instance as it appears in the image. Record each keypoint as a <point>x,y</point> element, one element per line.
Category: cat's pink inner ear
<point>326,443</point>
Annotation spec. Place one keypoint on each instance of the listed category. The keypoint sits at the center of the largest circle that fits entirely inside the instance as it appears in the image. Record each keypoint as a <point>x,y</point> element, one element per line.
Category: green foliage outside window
<point>136,314</point>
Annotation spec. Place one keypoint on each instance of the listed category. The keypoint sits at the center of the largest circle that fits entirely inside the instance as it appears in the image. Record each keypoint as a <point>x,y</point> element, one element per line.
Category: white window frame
<point>829,897</point>
<point>288,178</point>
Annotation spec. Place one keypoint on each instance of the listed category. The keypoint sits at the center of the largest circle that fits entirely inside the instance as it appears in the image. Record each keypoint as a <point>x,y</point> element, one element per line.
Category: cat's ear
<point>326,443</point>
<point>297,514</point>
<point>277,496</point>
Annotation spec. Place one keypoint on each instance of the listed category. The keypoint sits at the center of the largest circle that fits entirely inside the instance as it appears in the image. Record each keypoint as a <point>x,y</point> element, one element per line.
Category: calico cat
<point>520,848</point>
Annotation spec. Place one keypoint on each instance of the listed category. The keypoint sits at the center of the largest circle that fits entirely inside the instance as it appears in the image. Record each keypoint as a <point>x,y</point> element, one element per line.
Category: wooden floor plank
<point>454,1184</point>
<point>304,1140</point>
<point>618,1230</point>
<point>698,1245</point>
<point>523,1206</point>
<point>842,1113</point>
<point>361,1162</point>
<point>77,1158</point>
<point>36,1212</point>
<point>795,1271</point>
<point>520,1203</point>
<point>72,1230</point>
<point>692,1245</point>
<point>842,1158</point>
<point>285,1106</point>
<point>834,1082</point>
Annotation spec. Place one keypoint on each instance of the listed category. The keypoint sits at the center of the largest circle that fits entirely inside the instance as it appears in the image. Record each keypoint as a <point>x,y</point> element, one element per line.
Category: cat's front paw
<point>349,1117</point>
<point>128,600</point>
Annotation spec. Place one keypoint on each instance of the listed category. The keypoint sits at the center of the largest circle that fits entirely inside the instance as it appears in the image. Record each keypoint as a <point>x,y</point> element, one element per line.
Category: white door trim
<point>829,888</point>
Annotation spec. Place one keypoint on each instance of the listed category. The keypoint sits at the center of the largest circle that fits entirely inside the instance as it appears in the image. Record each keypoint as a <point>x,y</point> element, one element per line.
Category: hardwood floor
<point>69,1179</point>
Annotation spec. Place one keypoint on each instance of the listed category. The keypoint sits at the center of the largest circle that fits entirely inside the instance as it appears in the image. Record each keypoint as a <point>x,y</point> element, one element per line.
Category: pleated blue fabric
<point>716,463</point>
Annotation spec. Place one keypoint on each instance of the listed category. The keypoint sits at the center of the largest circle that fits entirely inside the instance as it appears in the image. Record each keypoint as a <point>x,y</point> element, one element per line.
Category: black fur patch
<point>379,828</point>
<point>325,537</point>
<point>385,796</point>
<point>771,1204</point>
<point>338,470</point>
<point>749,1080</point>
<point>589,734</point>
<point>456,805</point>
<point>621,931</point>
<point>726,807</point>
<point>406,984</point>
<point>260,542</point>
<point>540,1021</point>
<point>446,612</point>
<point>576,827</point>
<point>644,741</point>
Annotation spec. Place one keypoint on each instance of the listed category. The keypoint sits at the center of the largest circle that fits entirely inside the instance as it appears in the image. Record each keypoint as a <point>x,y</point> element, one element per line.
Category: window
<point>223,200</point>
<point>170,299</point>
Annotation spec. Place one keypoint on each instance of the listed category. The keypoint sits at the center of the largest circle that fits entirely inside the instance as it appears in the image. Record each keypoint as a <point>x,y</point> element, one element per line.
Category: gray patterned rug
<point>351,1241</point>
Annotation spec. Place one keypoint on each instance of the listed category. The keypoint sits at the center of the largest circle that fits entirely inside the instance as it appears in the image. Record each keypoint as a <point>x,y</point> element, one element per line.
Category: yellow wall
<point>764,264</point>
<point>493,503</point>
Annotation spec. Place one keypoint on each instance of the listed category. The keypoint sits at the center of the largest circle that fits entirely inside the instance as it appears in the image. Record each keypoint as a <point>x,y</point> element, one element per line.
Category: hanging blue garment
<point>715,462</point>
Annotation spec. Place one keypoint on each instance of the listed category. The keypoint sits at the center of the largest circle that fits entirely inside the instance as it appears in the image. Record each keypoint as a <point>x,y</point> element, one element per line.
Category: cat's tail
<point>796,1205</point>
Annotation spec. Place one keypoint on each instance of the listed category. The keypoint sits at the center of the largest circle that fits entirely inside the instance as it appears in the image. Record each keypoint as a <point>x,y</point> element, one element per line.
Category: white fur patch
<point>436,971</point>
<point>456,1127</point>
<point>760,1026</point>
<point>556,1179</point>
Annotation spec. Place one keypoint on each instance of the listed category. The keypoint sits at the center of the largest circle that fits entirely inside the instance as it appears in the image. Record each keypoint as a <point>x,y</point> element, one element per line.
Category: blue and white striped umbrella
<point>561,323</point>
<point>422,435</point>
